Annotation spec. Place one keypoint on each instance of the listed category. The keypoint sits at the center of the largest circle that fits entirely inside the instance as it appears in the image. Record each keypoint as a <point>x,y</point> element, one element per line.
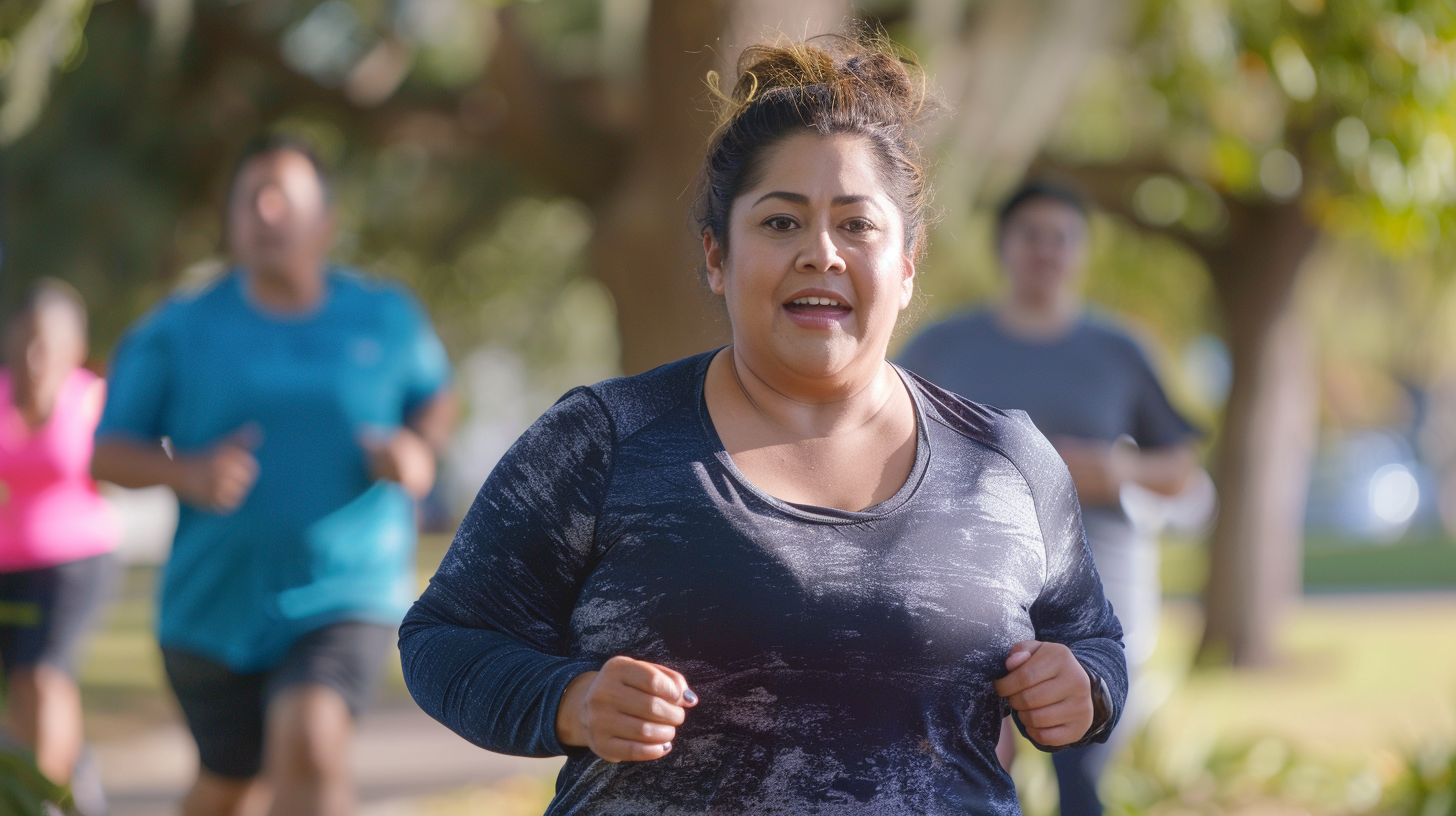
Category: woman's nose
<point>821,255</point>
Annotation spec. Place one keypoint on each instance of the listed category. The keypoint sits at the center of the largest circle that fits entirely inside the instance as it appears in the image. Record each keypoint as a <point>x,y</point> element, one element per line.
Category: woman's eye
<point>780,223</point>
<point>858,225</point>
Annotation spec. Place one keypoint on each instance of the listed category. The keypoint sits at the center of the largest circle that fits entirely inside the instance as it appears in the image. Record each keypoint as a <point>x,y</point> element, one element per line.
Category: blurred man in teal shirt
<point>304,406</point>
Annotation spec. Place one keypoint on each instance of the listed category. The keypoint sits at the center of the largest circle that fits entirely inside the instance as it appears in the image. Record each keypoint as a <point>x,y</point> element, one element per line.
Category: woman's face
<point>816,272</point>
<point>43,347</point>
<point>1043,249</point>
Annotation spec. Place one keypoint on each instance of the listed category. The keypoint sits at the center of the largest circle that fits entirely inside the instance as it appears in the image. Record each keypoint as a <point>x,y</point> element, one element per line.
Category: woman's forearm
<point>487,686</point>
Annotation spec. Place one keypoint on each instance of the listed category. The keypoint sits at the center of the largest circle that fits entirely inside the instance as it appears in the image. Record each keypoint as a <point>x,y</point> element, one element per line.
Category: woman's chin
<point>819,358</point>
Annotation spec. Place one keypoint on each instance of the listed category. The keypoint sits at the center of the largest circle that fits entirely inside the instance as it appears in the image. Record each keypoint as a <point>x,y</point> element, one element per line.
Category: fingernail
<point>689,697</point>
<point>666,746</point>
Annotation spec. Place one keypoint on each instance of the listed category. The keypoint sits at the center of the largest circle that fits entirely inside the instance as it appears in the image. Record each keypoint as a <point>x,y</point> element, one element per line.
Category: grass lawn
<point>1418,562</point>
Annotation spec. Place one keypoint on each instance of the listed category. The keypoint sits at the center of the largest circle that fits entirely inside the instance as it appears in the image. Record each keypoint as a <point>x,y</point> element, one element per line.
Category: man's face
<point>278,218</point>
<point>1043,248</point>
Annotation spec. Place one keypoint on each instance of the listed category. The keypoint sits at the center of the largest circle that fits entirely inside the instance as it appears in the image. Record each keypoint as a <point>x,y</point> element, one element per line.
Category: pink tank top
<point>50,512</point>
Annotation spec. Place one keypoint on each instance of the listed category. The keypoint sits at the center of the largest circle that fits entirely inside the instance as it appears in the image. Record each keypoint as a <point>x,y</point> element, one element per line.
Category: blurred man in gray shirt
<point>1089,388</point>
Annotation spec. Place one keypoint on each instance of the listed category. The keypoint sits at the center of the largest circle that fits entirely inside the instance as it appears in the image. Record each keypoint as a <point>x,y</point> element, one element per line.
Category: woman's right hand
<point>627,712</point>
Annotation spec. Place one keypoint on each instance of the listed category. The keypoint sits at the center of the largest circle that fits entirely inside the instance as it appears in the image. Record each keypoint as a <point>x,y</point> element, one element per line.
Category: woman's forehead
<point>811,165</point>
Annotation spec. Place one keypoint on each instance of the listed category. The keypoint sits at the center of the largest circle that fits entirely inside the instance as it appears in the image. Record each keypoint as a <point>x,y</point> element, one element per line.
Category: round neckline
<point>814,513</point>
<point>7,394</point>
<point>1000,328</point>
<point>239,275</point>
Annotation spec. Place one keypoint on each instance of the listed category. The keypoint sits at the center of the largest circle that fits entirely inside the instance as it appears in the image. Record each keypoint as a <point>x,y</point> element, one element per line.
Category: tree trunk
<point>1006,69</point>
<point>1263,461</point>
<point>646,251</point>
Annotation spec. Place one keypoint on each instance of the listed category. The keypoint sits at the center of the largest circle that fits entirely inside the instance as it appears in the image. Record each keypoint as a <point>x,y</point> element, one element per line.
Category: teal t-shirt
<point>317,540</point>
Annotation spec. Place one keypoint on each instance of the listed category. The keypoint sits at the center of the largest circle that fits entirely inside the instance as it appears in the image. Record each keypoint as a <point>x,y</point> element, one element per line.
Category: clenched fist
<point>627,712</point>
<point>223,476</point>
<point>401,456</point>
<point>1050,691</point>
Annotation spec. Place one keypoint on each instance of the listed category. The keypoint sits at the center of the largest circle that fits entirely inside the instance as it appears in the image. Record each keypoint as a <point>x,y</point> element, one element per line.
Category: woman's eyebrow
<point>801,199</point>
<point>792,198</point>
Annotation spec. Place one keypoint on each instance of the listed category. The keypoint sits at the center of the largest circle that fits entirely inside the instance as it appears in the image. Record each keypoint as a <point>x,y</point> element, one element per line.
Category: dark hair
<point>832,84</point>
<point>269,144</point>
<point>1039,189</point>
<point>46,292</point>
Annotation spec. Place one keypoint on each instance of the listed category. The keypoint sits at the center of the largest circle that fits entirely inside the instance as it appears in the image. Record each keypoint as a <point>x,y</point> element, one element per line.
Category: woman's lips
<point>812,316</point>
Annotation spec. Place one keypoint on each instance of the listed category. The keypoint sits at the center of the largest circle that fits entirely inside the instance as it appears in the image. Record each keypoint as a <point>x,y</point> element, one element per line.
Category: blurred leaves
<point>24,790</point>
<point>118,185</point>
<point>1166,771</point>
<point>1348,104</point>
<point>36,39</point>
<point>1423,784</point>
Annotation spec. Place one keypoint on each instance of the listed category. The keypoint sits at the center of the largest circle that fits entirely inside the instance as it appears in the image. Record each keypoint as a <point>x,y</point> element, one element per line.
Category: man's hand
<point>1049,690</point>
<point>402,456</point>
<point>627,712</point>
<point>1098,469</point>
<point>221,478</point>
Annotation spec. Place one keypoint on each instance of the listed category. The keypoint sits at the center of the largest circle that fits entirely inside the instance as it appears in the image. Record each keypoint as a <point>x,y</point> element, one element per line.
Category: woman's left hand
<point>1049,690</point>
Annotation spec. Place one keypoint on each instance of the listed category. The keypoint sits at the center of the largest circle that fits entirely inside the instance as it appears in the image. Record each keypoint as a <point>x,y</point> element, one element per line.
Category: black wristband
<point>1101,704</point>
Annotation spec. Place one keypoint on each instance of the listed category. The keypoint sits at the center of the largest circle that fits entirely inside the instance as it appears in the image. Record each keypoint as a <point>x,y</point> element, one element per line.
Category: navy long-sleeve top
<point>843,660</point>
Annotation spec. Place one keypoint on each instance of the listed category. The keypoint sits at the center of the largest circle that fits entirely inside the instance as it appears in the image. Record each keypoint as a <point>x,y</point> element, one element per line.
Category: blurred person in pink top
<point>56,533</point>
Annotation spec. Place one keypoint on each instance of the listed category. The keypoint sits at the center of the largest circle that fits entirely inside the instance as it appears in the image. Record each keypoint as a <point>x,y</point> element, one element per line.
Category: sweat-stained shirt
<point>843,660</point>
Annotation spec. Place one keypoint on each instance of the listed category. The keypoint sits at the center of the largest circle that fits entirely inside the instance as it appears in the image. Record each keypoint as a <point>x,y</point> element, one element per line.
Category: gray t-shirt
<point>1092,383</point>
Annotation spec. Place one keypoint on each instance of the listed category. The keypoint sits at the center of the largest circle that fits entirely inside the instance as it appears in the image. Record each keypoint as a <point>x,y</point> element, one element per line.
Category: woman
<point>785,576</point>
<point>1087,385</point>
<point>56,533</point>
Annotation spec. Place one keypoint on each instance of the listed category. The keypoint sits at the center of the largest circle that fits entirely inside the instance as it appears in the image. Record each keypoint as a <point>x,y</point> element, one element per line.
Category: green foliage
<point>1163,772</point>
<point>118,187</point>
<point>1425,784</point>
<point>24,790</point>
<point>1349,104</point>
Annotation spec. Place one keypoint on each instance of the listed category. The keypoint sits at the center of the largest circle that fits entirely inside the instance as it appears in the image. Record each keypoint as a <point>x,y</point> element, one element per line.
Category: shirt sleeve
<point>485,649</point>
<point>426,364</point>
<point>138,383</point>
<point>1071,608</point>
<point>1155,422</point>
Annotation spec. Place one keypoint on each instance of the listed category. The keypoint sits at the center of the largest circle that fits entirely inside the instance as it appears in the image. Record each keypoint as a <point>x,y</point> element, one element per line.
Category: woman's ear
<point>713,260</point>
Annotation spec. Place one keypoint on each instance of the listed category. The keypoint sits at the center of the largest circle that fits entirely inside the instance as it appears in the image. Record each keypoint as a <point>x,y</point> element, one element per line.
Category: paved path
<point>400,756</point>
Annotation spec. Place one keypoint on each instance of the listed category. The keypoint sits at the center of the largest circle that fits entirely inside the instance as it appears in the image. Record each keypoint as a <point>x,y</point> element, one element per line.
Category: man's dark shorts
<point>226,710</point>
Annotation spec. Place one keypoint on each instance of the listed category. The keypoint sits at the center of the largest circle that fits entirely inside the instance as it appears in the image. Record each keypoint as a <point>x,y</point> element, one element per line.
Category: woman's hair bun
<point>858,84</point>
<point>861,70</point>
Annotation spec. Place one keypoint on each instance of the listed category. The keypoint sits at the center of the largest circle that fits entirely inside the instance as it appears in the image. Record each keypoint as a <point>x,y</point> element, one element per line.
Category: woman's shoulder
<point>636,401</point>
<point>584,429</point>
<point>1010,433</point>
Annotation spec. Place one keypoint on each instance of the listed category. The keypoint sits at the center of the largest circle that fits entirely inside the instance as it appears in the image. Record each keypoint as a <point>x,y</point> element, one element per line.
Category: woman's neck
<point>807,407</point>
<point>35,406</point>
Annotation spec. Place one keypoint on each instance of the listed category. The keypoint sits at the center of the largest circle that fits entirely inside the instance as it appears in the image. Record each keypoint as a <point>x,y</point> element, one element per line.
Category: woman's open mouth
<point>816,312</point>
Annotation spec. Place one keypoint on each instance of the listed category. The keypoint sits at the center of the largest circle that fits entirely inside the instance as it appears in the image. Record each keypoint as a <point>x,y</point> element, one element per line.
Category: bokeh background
<point>1276,182</point>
